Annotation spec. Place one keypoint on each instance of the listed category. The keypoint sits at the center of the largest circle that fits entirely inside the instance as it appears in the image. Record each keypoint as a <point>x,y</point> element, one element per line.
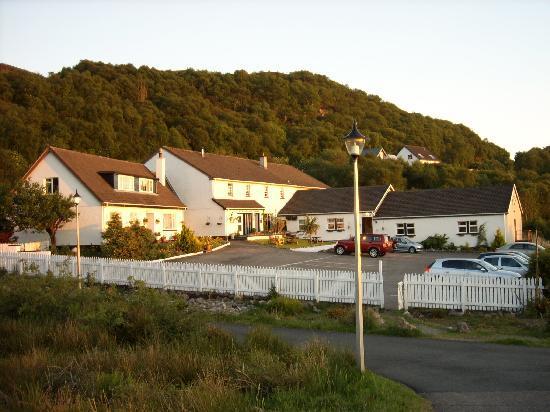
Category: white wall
<point>89,208</point>
<point>448,225</point>
<point>514,214</point>
<point>322,221</point>
<point>130,213</point>
<point>404,155</point>
<point>194,189</point>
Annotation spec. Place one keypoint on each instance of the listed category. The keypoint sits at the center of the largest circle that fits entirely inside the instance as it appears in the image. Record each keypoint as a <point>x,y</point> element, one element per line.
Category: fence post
<point>316,285</point>
<point>405,292</point>
<point>276,281</point>
<point>524,281</point>
<point>101,276</point>
<point>235,282</point>
<point>462,295</point>
<point>400,295</point>
<point>73,265</point>
<point>200,280</point>
<point>163,267</point>
<point>381,281</point>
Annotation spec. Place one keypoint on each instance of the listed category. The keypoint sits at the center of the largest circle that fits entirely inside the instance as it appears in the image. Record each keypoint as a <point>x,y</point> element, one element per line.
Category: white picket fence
<point>483,293</point>
<point>308,284</point>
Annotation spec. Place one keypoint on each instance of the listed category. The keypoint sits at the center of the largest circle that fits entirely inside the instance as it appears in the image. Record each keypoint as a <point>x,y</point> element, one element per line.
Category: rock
<point>403,324</point>
<point>462,327</point>
<point>316,309</point>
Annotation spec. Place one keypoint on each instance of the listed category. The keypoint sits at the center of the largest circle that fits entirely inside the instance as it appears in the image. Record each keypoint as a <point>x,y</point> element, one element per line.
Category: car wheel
<point>340,250</point>
<point>373,252</point>
<point>412,250</point>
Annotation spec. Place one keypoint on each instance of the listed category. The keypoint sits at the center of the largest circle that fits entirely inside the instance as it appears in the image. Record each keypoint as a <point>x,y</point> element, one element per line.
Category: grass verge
<point>139,349</point>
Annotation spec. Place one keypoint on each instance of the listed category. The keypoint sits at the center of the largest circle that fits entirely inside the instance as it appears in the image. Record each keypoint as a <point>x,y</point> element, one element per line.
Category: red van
<point>373,244</point>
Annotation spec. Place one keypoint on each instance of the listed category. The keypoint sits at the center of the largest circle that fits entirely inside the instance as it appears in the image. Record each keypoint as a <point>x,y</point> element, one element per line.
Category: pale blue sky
<point>482,63</point>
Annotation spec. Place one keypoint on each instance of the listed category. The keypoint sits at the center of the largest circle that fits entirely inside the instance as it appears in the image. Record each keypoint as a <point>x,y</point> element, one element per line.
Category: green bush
<point>285,306</point>
<point>436,242</point>
<point>544,267</point>
<point>186,241</point>
<point>498,241</point>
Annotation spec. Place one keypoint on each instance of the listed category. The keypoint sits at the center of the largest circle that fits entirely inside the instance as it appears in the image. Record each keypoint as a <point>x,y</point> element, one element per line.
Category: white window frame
<point>126,183</point>
<point>49,185</point>
<point>335,224</point>
<point>171,220</point>
<point>230,189</point>
<point>405,229</point>
<point>247,190</point>
<point>282,192</point>
<point>466,227</point>
<point>301,224</point>
<point>266,192</point>
<point>146,185</point>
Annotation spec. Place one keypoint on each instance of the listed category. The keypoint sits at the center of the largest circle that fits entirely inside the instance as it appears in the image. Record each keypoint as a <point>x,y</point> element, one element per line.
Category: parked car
<point>405,244</point>
<point>508,262</point>
<point>520,255</point>
<point>468,267</point>
<point>373,244</point>
<point>526,247</point>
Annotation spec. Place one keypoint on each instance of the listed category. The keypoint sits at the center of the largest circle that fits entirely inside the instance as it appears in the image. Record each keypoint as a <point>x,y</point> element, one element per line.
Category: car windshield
<point>488,265</point>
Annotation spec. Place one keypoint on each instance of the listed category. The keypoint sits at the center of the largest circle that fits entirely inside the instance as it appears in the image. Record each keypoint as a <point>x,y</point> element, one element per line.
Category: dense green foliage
<point>543,267</point>
<point>100,348</point>
<point>127,112</point>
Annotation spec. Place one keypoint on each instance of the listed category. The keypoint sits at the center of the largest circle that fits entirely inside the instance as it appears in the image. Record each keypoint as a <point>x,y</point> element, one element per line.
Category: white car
<point>508,262</point>
<point>467,267</point>
<point>528,248</point>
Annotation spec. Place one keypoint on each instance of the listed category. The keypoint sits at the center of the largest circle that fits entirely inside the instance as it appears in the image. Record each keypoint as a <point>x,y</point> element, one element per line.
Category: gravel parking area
<point>394,264</point>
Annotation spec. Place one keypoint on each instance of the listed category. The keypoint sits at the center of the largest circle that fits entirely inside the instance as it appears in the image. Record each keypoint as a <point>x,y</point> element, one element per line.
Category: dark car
<point>373,244</point>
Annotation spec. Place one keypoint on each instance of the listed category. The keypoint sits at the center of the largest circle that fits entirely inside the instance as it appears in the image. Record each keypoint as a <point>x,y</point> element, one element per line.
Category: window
<point>509,262</point>
<point>266,192</point>
<point>282,193</point>
<point>493,261</point>
<point>52,185</point>
<point>301,225</point>
<point>168,222</point>
<point>374,238</point>
<point>410,157</point>
<point>517,246</point>
<point>453,264</point>
<point>230,189</point>
<point>247,191</point>
<point>336,223</point>
<point>145,185</point>
<point>467,226</point>
<point>126,183</point>
<point>405,229</point>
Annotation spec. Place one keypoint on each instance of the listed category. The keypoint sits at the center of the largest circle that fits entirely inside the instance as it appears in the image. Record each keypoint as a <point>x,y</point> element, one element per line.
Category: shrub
<point>482,236</point>
<point>284,305</point>
<point>436,241</point>
<point>186,241</point>
<point>498,241</point>
<point>272,293</point>
<point>544,267</point>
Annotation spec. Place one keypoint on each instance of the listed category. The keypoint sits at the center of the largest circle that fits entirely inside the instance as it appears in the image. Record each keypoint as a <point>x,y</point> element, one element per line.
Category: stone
<point>462,327</point>
<point>403,324</point>
<point>316,309</point>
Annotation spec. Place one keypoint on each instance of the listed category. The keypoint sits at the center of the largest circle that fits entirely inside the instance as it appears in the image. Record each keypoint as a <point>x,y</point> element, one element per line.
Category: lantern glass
<point>76,198</point>
<point>355,145</point>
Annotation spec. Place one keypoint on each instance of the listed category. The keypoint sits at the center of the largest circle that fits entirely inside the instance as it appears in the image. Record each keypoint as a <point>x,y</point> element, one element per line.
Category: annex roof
<point>88,168</point>
<point>447,202</point>
<point>238,204</point>
<point>248,170</point>
<point>422,153</point>
<point>334,200</point>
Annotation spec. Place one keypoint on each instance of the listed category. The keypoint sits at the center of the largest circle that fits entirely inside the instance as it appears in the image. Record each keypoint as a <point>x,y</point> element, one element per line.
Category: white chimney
<point>263,161</point>
<point>202,152</point>
<point>161,168</point>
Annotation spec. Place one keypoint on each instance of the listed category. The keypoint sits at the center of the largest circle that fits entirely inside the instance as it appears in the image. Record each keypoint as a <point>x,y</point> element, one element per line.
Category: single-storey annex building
<point>228,195</point>
<point>106,186</point>
<point>455,212</point>
<point>333,209</point>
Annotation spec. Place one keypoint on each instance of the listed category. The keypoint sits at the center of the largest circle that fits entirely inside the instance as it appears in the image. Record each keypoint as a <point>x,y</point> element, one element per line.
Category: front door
<point>150,221</point>
<point>366,224</point>
<point>248,223</point>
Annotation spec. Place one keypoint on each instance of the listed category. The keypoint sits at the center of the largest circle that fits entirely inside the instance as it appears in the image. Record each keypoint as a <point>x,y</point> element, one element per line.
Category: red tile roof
<point>88,168</point>
<point>247,170</point>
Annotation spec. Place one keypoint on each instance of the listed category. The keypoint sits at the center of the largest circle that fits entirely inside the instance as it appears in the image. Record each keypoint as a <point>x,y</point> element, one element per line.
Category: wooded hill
<point>127,113</point>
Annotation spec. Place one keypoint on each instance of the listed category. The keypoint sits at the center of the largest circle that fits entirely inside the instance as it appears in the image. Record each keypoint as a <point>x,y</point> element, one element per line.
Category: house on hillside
<point>411,154</point>
<point>228,195</point>
<point>106,186</point>
<point>333,209</point>
<point>457,213</point>
<point>378,152</point>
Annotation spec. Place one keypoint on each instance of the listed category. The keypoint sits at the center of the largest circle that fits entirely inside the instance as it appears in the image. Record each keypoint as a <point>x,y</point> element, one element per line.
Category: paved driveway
<point>455,376</point>
<point>394,264</point>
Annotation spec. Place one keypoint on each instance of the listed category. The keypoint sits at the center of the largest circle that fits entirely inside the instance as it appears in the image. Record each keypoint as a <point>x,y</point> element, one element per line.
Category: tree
<point>498,241</point>
<point>482,235</point>
<point>310,226</point>
<point>33,208</point>
<point>186,241</point>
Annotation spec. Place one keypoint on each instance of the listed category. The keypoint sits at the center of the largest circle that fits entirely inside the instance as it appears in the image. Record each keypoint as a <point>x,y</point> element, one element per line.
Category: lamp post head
<point>355,141</point>
<point>76,198</point>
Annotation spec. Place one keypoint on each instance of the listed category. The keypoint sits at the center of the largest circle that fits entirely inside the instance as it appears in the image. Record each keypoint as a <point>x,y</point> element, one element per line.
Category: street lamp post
<point>76,200</point>
<point>355,142</point>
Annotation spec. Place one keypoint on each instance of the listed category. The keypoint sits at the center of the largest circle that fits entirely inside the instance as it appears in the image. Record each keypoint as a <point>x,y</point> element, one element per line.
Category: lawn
<point>139,349</point>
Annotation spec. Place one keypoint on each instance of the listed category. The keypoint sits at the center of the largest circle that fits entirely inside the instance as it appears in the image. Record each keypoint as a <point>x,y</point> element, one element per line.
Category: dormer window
<point>146,185</point>
<point>126,183</point>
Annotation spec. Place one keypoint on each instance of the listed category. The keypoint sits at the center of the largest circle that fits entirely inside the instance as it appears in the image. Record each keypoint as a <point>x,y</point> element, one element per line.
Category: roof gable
<point>335,200</point>
<point>421,153</point>
<point>90,170</point>
<point>447,202</point>
<point>218,166</point>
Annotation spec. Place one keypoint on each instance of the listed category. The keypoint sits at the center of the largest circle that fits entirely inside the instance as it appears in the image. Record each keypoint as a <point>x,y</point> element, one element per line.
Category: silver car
<point>467,267</point>
<point>508,262</point>
<point>528,248</point>
<point>405,244</point>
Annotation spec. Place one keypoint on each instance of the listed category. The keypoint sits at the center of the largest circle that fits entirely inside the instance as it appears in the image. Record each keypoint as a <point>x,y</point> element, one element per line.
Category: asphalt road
<point>394,264</point>
<point>455,376</point>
